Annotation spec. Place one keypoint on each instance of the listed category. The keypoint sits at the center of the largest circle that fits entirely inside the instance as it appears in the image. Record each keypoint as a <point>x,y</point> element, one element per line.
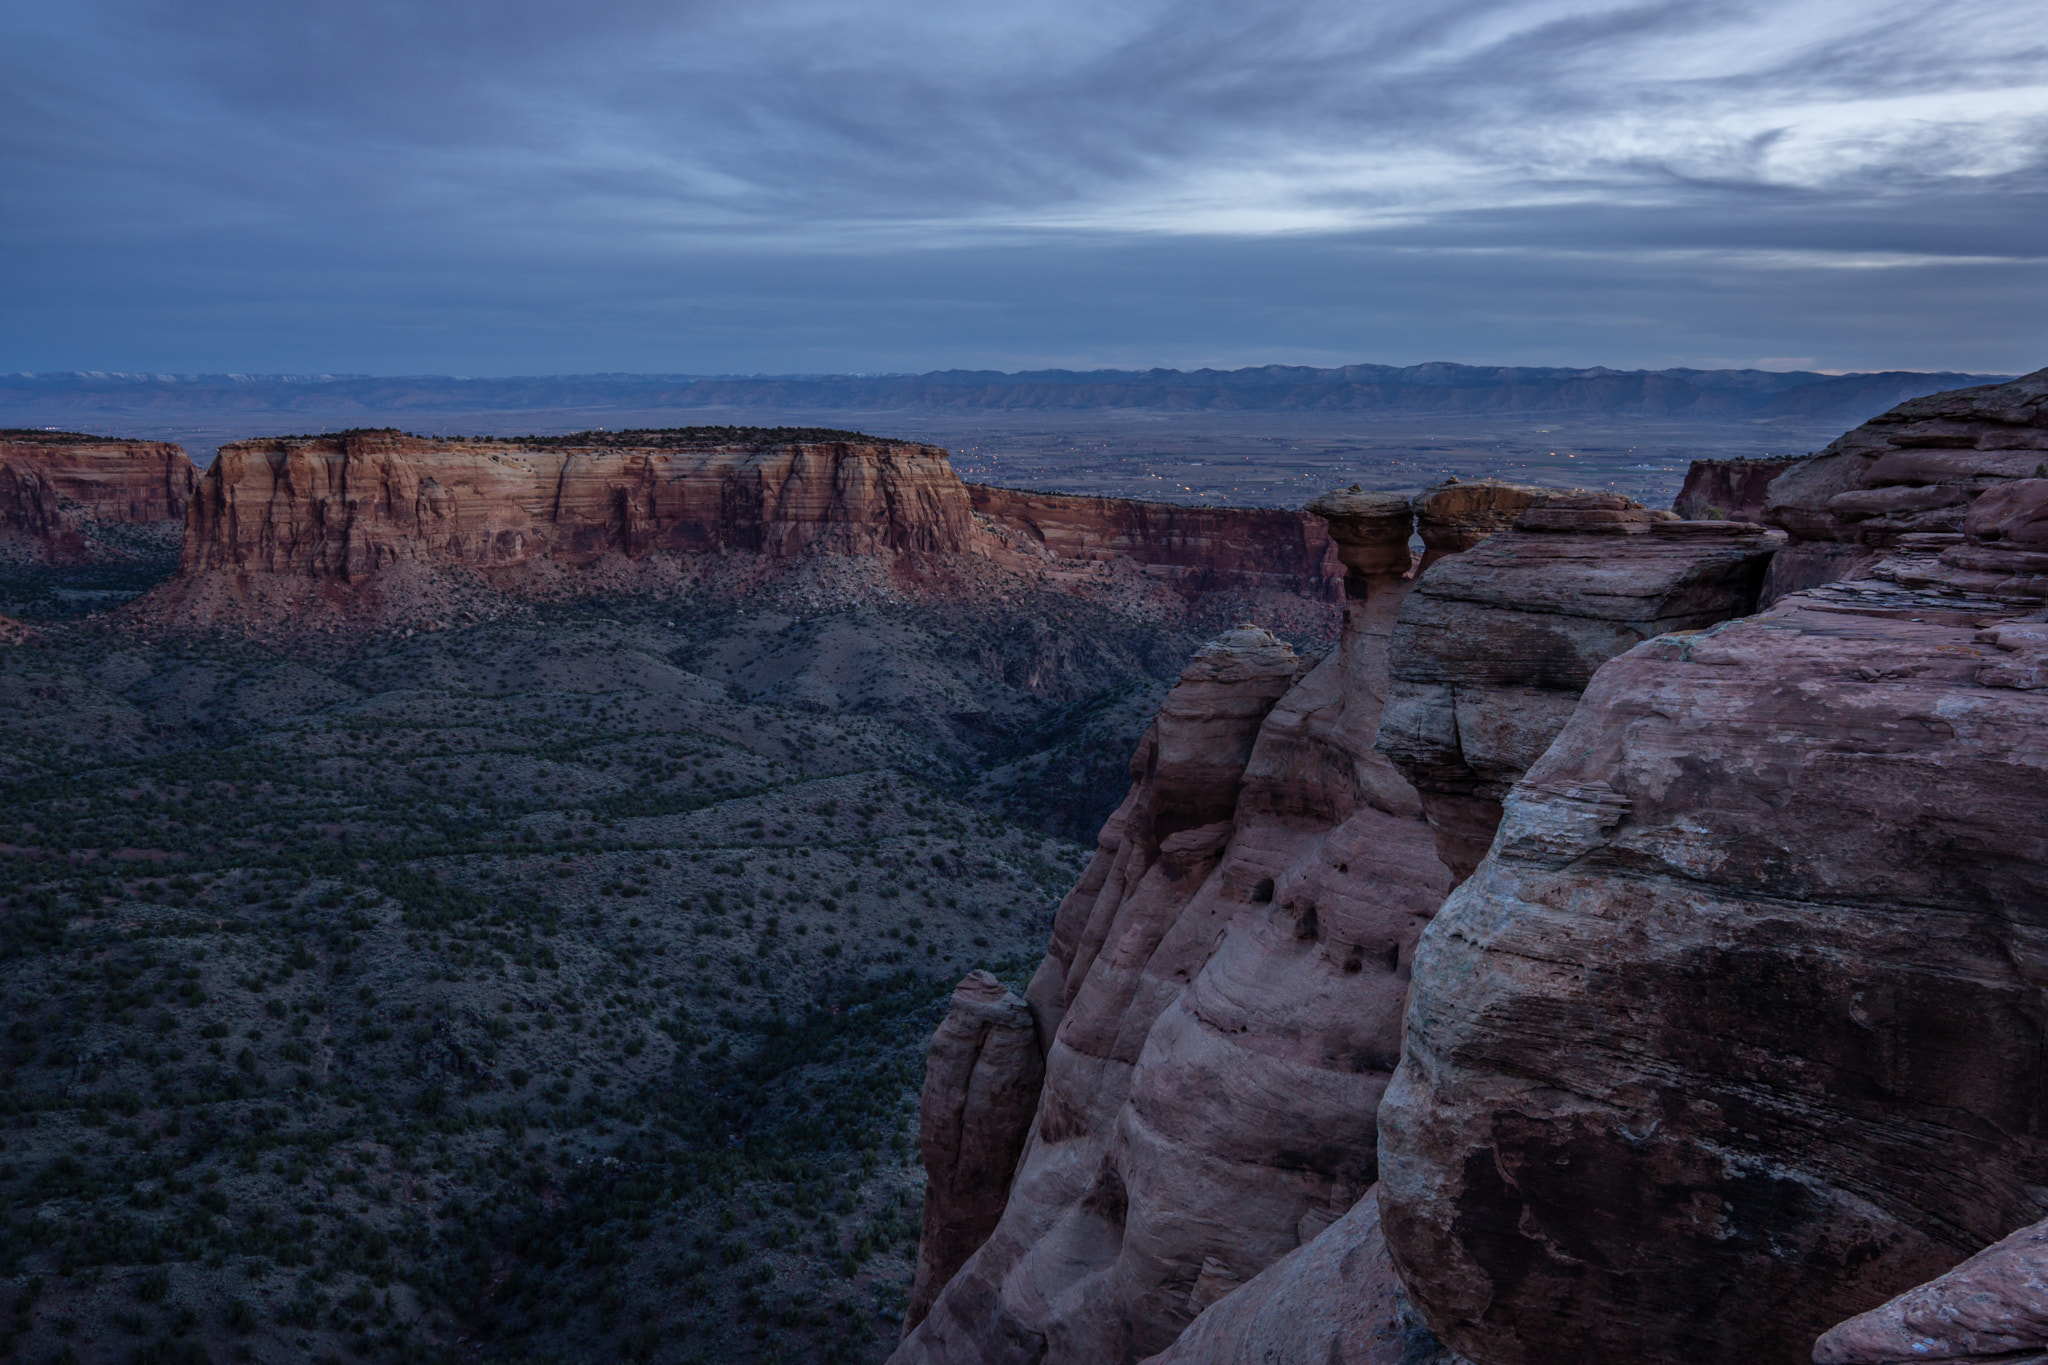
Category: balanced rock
<point>981,1082</point>
<point>1734,1032</point>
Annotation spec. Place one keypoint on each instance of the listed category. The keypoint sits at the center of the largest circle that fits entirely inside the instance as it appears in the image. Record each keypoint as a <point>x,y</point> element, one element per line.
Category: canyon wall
<point>1737,1030</point>
<point>1201,549</point>
<point>58,489</point>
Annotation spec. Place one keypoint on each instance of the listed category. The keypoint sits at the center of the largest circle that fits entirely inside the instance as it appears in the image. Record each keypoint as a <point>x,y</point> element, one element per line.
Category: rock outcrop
<point>981,1081</point>
<point>1728,490</point>
<point>1222,997</point>
<point>1993,1306</point>
<point>1331,1301</point>
<point>59,490</point>
<point>1905,480</point>
<point>1493,648</point>
<point>1736,1031</point>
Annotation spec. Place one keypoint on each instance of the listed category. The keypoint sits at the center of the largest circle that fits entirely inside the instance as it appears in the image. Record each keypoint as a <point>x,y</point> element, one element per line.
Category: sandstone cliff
<point>1493,647</point>
<point>388,527</point>
<point>60,490</point>
<point>1734,1032</point>
<point>1222,996</point>
<point>1198,549</point>
<point>1905,480</point>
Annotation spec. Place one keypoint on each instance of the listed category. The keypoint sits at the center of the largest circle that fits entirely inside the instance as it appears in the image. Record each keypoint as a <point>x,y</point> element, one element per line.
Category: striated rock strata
<point>981,1082</point>
<point>1905,480</point>
<point>1736,1031</point>
<point>1493,648</point>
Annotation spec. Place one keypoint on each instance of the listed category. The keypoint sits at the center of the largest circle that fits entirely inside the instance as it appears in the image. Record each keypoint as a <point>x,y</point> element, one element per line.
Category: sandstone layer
<point>1735,1033</point>
<point>1222,996</point>
<point>58,490</point>
<point>1905,480</point>
<point>1493,647</point>
<point>981,1082</point>
<point>1992,1306</point>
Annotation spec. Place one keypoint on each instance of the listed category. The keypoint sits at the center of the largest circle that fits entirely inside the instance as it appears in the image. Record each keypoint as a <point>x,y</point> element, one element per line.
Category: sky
<point>496,187</point>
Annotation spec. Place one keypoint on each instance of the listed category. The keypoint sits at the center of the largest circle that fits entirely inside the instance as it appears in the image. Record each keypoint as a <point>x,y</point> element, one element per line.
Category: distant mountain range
<point>1437,388</point>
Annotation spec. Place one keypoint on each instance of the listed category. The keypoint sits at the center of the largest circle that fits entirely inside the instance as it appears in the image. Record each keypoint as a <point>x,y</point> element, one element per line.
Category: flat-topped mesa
<point>58,486</point>
<point>349,506</point>
<point>1493,647</point>
<point>1905,480</point>
<point>1200,549</point>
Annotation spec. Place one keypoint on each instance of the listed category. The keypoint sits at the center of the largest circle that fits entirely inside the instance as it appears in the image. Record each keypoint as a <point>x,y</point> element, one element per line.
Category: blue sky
<point>512,186</point>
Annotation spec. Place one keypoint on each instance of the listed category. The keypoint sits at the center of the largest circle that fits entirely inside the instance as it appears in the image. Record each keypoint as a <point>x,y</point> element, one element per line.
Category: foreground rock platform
<point>1733,1034</point>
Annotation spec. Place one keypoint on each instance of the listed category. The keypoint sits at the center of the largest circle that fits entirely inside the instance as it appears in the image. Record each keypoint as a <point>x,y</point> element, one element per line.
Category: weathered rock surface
<point>1493,647</point>
<point>981,1083</point>
<point>1911,473</point>
<point>59,489</point>
<point>1728,490</point>
<point>1222,1000</point>
<point>1736,1032</point>
<point>1331,1301</point>
<point>1993,1305</point>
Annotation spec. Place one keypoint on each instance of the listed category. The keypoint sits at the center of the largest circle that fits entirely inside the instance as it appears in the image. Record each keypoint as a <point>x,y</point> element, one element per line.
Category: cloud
<point>369,156</point>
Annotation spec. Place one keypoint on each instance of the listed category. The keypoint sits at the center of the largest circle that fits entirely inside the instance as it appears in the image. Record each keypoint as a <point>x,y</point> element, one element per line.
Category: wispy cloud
<point>402,142</point>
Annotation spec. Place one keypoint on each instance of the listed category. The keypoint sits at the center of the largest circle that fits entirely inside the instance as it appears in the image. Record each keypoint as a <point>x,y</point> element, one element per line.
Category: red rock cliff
<point>55,488</point>
<point>347,507</point>
<point>1202,549</point>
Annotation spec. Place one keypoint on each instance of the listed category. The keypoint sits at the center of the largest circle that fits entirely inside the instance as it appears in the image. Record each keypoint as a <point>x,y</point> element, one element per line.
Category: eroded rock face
<point>1736,1031</point>
<point>1332,1301</point>
<point>58,490</point>
<point>1200,549</point>
<point>981,1083</point>
<point>1493,647</point>
<point>1456,514</point>
<point>1222,1000</point>
<point>347,507</point>
<point>1993,1305</point>
<point>1905,480</point>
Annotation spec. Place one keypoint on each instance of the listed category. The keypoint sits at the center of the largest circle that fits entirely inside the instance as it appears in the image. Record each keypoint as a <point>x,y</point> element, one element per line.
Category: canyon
<point>1535,926</point>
